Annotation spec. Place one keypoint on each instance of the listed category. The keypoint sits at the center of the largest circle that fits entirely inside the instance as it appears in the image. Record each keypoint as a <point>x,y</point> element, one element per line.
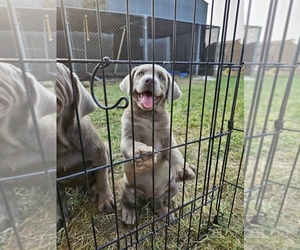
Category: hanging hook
<point>103,64</point>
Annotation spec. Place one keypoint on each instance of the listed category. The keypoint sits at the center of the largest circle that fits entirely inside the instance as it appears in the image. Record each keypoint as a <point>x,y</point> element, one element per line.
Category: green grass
<point>221,237</point>
<point>257,236</point>
<point>265,235</point>
<point>185,232</point>
<point>36,223</point>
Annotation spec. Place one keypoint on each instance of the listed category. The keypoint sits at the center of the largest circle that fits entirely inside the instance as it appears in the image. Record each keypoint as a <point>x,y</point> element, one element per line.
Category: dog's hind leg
<point>161,209</point>
<point>158,205</point>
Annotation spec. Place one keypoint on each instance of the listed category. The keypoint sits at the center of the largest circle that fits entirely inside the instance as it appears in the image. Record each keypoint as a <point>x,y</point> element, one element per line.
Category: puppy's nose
<point>149,81</point>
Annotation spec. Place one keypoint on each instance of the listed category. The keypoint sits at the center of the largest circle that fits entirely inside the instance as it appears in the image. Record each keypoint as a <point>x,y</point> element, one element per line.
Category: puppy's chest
<point>147,133</point>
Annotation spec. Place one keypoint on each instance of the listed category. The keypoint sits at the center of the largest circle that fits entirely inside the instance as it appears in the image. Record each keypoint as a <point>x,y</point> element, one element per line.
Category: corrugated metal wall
<point>163,9</point>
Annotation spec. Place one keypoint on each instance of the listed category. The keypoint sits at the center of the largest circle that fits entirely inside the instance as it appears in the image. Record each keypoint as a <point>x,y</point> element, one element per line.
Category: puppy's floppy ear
<point>125,84</point>
<point>44,101</point>
<point>176,90</point>
<point>85,101</point>
<point>11,79</point>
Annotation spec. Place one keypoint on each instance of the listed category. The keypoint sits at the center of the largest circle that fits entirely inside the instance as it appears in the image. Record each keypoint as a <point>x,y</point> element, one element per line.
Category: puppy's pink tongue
<point>147,100</point>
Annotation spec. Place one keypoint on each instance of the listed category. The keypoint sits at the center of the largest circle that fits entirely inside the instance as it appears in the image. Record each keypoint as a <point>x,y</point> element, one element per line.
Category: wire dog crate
<point>211,135</point>
<point>272,133</point>
<point>102,43</point>
<point>28,144</point>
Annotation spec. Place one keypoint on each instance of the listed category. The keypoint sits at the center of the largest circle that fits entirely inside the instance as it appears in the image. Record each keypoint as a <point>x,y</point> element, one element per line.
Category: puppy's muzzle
<point>146,97</point>
<point>149,82</point>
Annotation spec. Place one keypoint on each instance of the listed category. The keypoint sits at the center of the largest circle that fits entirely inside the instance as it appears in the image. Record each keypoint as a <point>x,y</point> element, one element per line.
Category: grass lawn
<point>189,120</point>
<point>265,235</point>
<point>186,117</point>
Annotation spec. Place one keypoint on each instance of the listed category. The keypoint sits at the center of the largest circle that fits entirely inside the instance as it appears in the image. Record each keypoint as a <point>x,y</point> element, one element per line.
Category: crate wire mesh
<point>27,130</point>
<point>210,136</point>
<point>128,39</point>
<point>272,131</point>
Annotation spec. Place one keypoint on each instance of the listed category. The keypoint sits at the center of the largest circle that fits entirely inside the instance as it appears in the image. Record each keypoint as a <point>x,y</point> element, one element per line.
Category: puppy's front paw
<point>186,174</point>
<point>106,202</point>
<point>128,215</point>
<point>146,161</point>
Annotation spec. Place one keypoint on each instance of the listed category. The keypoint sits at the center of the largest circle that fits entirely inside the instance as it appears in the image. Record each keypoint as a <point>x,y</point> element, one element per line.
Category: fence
<point>83,30</point>
<point>272,133</point>
<point>103,46</point>
<point>28,135</point>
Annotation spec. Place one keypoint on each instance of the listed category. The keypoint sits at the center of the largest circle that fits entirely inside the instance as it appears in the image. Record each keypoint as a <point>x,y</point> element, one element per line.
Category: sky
<point>258,17</point>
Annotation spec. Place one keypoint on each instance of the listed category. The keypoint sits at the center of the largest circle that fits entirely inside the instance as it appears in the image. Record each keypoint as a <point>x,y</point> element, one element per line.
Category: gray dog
<point>20,152</point>
<point>69,155</point>
<point>144,101</point>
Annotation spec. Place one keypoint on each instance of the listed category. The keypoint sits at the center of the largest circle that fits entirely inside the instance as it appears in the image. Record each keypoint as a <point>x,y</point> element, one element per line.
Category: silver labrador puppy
<point>20,152</point>
<point>144,101</point>
<point>69,154</point>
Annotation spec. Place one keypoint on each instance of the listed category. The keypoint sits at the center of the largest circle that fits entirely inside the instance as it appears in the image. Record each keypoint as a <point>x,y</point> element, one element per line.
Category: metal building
<point>168,45</point>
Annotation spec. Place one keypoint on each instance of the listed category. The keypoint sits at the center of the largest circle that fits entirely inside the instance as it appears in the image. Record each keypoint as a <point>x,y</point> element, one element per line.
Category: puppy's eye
<point>161,77</point>
<point>141,73</point>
